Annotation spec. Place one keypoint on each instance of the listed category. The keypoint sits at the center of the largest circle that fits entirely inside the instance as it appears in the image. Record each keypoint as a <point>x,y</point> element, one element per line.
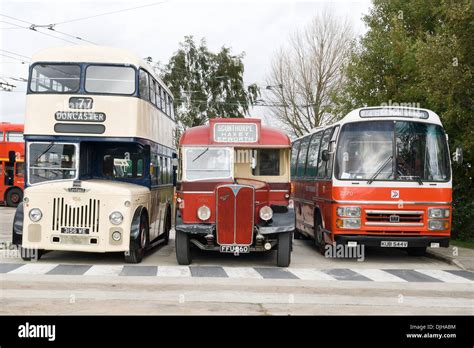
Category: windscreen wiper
<point>414,178</point>
<point>202,153</point>
<point>384,164</point>
<point>45,151</point>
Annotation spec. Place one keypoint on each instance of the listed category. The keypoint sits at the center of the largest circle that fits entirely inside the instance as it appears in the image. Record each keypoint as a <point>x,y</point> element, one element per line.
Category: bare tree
<point>307,74</point>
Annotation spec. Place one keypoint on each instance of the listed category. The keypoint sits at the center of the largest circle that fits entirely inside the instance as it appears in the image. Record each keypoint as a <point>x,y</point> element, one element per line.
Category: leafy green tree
<point>420,52</point>
<point>206,84</point>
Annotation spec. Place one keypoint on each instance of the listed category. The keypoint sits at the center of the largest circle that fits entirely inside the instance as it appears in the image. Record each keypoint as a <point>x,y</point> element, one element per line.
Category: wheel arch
<point>135,226</point>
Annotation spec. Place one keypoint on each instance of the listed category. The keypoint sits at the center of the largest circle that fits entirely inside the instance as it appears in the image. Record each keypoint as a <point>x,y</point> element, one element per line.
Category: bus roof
<point>240,132</point>
<point>94,54</point>
<point>381,113</point>
<point>12,127</point>
<point>393,113</point>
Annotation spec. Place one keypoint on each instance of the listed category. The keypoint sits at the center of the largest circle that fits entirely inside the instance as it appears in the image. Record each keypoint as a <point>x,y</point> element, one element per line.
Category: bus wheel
<point>183,248</point>
<point>418,251</point>
<point>284,249</point>
<point>137,247</point>
<point>319,240</point>
<point>166,234</point>
<point>14,197</point>
<point>30,254</point>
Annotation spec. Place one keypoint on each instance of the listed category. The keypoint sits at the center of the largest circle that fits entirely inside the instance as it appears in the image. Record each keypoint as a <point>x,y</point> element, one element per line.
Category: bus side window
<point>313,152</point>
<point>152,89</point>
<point>163,103</point>
<point>160,178</point>
<point>20,169</point>
<point>294,157</point>
<point>158,95</point>
<point>144,87</point>
<point>15,137</point>
<point>170,106</point>
<point>300,170</point>
<point>332,151</point>
<point>166,103</point>
<point>172,109</point>
<point>168,171</point>
<point>323,165</point>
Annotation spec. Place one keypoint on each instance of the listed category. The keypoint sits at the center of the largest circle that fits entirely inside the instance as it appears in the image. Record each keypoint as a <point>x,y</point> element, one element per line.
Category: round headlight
<point>266,213</point>
<point>204,213</point>
<point>116,218</point>
<point>35,215</point>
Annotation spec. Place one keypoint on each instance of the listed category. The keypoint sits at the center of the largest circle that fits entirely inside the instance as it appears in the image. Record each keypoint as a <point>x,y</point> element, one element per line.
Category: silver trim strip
<point>395,224</point>
<point>392,202</point>
<point>396,212</point>
<point>369,202</point>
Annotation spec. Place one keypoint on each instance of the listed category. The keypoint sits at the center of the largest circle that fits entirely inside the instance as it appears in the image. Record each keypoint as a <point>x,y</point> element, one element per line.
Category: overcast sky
<point>257,27</point>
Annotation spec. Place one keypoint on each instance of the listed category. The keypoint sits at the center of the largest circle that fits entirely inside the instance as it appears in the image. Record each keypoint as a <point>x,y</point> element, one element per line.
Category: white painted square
<point>242,273</point>
<point>174,271</point>
<point>104,270</point>
<point>379,275</point>
<point>34,268</point>
<point>310,274</point>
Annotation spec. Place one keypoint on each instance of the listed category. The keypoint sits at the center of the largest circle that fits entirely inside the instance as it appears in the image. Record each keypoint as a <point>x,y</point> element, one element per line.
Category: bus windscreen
<point>403,151</point>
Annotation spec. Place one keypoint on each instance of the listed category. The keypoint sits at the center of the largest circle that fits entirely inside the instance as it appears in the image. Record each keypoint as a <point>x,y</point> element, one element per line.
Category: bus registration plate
<point>74,230</point>
<point>239,249</point>
<point>393,244</point>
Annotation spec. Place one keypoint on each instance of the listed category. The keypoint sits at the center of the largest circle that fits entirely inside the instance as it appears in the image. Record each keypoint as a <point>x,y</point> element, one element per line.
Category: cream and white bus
<point>99,133</point>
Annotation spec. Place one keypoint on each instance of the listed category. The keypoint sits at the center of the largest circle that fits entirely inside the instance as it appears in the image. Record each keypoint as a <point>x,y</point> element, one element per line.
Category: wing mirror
<point>325,155</point>
<point>458,156</point>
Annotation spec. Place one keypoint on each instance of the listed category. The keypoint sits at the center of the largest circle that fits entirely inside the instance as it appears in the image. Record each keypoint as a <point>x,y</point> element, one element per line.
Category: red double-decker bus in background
<point>234,189</point>
<point>12,166</point>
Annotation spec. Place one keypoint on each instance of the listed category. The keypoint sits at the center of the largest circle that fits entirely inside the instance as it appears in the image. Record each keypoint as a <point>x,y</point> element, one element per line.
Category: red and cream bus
<point>12,165</point>
<point>233,191</point>
<point>379,177</point>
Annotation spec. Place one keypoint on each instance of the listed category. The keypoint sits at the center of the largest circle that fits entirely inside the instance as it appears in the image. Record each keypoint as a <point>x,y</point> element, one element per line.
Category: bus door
<point>19,178</point>
<point>323,190</point>
<point>2,181</point>
<point>310,193</point>
<point>300,183</point>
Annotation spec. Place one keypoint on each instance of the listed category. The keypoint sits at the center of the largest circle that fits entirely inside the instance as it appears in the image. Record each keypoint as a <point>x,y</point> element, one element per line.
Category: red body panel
<point>244,216</point>
<point>8,170</point>
<point>235,214</point>
<point>311,196</point>
<point>225,215</point>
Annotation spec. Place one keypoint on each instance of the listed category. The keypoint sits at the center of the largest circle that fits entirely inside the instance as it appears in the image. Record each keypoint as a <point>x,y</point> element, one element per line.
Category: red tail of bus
<point>12,155</point>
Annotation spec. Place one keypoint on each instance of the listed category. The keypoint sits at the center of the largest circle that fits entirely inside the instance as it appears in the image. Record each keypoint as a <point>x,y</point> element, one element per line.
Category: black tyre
<point>299,235</point>
<point>137,247</point>
<point>319,240</point>
<point>14,197</point>
<point>416,251</point>
<point>284,249</point>
<point>30,254</point>
<point>183,248</point>
<point>166,234</point>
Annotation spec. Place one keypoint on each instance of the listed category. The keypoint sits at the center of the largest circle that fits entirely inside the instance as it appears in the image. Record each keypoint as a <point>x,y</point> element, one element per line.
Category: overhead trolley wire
<point>37,31</point>
<point>109,13</point>
<point>35,27</point>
